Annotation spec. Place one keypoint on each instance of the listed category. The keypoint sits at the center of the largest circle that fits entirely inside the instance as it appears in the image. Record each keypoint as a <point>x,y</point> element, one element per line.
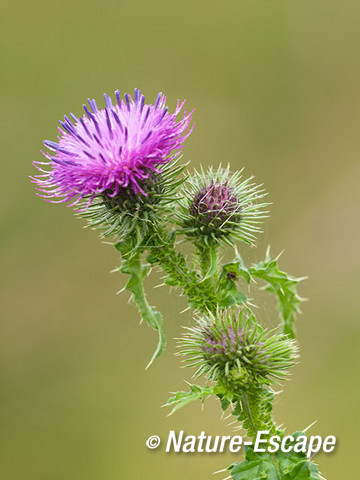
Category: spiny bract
<point>135,214</point>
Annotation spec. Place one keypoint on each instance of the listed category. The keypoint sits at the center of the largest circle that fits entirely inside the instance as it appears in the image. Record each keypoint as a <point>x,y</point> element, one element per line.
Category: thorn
<point>252,305</point>
<point>220,471</point>
<point>307,428</point>
<point>185,309</point>
<point>279,255</point>
<point>227,416</point>
<point>277,393</point>
<point>301,279</point>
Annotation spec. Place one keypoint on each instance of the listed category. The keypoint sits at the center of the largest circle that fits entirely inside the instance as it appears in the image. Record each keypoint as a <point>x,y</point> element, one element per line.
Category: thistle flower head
<point>236,352</point>
<point>218,206</point>
<point>109,149</point>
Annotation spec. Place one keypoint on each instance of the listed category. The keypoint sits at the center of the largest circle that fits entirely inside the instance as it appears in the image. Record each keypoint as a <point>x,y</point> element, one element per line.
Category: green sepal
<point>131,265</point>
<point>128,213</point>
<point>274,466</point>
<point>180,399</point>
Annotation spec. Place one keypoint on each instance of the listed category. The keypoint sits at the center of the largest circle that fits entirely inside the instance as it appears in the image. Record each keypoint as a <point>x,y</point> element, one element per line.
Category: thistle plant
<point>120,167</point>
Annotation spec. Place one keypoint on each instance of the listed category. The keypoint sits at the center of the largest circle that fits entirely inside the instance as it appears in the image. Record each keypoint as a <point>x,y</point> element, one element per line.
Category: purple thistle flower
<point>112,148</point>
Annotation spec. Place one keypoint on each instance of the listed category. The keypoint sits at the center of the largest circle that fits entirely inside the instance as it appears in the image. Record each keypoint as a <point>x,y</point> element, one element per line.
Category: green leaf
<point>277,282</point>
<point>274,466</point>
<point>228,292</point>
<point>303,470</point>
<point>259,468</point>
<point>226,399</point>
<point>282,285</point>
<point>180,399</point>
<point>132,266</point>
<point>212,262</point>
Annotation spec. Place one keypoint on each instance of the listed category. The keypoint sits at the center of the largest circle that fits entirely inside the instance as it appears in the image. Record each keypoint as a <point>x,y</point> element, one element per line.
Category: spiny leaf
<point>132,266</point>
<point>277,282</point>
<point>180,399</point>
<point>259,469</point>
<point>274,466</point>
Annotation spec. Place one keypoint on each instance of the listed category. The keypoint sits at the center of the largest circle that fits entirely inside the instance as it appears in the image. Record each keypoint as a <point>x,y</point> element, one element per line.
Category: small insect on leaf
<point>231,275</point>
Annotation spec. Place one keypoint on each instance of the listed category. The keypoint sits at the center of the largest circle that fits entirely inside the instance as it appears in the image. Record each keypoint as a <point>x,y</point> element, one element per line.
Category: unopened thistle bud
<point>218,206</point>
<point>236,352</point>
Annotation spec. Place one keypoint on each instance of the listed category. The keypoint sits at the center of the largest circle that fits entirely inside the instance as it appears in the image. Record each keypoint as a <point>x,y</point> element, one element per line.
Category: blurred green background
<point>276,89</point>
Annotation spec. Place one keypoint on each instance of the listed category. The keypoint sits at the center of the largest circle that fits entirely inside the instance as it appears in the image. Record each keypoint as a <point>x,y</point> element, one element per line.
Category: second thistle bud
<point>233,350</point>
<point>219,206</point>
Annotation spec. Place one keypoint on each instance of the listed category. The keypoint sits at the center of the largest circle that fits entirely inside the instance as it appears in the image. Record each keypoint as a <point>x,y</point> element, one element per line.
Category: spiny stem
<point>201,295</point>
<point>255,414</point>
<point>248,411</point>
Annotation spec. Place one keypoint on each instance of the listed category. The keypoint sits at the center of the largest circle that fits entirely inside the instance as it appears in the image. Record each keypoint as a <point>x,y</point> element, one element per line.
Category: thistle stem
<point>255,415</point>
<point>201,295</point>
<point>249,414</point>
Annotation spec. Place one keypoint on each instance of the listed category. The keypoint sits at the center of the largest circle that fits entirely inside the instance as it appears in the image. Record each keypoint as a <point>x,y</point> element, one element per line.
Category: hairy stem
<point>253,410</point>
<point>201,295</point>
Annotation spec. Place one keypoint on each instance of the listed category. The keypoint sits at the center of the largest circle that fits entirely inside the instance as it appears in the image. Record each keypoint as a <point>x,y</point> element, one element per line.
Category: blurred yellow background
<point>276,89</point>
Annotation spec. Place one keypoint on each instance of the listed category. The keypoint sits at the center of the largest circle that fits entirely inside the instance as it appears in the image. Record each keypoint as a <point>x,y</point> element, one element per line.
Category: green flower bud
<point>236,352</point>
